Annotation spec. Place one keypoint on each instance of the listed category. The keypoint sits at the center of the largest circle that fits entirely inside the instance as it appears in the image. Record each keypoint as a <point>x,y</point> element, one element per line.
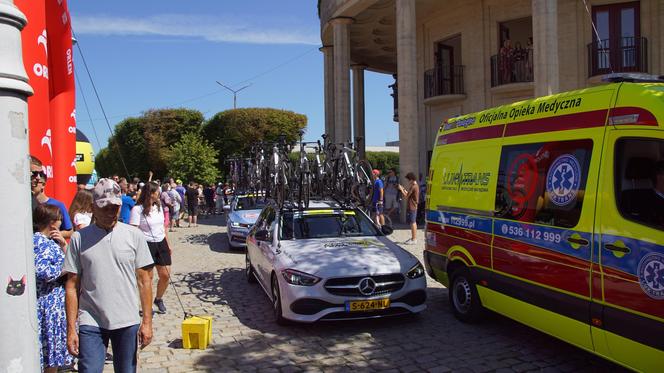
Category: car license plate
<point>367,305</point>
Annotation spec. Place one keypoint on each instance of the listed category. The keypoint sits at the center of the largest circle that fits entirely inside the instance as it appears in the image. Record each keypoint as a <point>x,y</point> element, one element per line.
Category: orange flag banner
<point>35,60</point>
<point>62,96</point>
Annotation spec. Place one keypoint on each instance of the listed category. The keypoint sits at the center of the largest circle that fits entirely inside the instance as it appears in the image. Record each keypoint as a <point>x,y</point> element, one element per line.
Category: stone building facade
<point>452,57</point>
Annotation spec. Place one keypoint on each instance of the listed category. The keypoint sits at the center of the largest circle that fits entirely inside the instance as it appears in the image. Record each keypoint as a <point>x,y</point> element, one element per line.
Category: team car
<point>241,216</point>
<point>330,262</point>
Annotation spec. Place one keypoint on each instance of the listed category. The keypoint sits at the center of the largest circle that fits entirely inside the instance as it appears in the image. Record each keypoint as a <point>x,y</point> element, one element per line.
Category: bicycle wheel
<point>388,220</point>
<point>279,192</point>
<point>363,172</point>
<point>305,190</point>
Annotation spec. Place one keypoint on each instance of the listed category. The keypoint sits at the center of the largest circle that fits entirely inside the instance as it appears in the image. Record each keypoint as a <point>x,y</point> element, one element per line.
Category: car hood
<point>244,216</point>
<point>352,256</point>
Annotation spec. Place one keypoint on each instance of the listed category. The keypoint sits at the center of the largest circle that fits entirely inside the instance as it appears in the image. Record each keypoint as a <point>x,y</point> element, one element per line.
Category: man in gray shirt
<point>108,269</point>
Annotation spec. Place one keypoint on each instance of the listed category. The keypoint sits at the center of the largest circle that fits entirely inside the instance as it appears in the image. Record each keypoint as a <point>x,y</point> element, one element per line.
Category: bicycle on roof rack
<point>259,169</point>
<point>334,171</point>
<point>280,172</point>
<point>350,177</point>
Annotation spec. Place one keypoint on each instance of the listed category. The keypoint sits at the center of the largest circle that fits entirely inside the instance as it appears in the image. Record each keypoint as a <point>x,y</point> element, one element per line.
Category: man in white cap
<point>108,266</point>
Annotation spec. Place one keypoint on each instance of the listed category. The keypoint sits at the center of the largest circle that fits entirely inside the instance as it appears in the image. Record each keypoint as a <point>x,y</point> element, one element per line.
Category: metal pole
<point>234,91</point>
<point>19,349</point>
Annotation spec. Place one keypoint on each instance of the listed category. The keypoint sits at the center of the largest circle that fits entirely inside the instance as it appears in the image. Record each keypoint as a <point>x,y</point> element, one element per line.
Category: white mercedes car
<point>328,262</point>
<point>241,214</point>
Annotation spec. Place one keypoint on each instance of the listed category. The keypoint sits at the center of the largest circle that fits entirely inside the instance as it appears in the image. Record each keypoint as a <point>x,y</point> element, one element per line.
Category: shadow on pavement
<point>433,339</point>
<point>213,220</point>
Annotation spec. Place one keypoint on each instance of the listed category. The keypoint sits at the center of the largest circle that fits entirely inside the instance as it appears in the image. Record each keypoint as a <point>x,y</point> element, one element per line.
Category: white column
<point>19,349</point>
<point>358,108</point>
<point>545,47</point>
<point>341,40</point>
<point>328,67</point>
<point>407,88</point>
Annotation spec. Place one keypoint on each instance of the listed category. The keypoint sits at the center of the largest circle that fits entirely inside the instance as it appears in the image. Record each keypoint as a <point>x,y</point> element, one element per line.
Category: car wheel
<point>249,270</point>
<point>464,299</point>
<point>276,302</point>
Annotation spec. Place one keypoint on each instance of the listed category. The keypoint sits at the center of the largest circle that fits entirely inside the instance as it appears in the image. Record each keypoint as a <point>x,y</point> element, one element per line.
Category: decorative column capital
<point>341,21</point>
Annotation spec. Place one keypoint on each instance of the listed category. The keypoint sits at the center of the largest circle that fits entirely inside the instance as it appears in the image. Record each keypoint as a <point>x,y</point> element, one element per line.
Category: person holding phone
<point>49,247</point>
<point>412,196</point>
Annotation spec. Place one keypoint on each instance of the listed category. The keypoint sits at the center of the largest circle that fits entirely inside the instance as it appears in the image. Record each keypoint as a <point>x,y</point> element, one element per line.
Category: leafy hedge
<point>383,161</point>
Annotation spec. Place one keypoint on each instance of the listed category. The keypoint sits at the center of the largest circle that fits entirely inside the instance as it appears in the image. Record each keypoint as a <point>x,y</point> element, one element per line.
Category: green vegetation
<point>232,132</point>
<point>193,158</point>
<point>383,161</point>
<point>144,142</point>
<point>148,142</point>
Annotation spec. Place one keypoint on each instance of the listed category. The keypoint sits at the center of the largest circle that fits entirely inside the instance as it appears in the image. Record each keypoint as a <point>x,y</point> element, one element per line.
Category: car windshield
<point>326,225</point>
<point>249,203</point>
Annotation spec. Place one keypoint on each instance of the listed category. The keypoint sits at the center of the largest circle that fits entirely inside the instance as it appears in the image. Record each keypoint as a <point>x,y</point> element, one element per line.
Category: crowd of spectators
<point>95,261</point>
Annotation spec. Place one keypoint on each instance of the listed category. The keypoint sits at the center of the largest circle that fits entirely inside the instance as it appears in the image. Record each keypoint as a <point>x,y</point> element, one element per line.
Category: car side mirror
<point>387,230</point>
<point>262,235</point>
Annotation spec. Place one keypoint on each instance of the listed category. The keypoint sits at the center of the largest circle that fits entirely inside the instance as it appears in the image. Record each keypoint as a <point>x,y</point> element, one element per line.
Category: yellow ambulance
<point>551,211</point>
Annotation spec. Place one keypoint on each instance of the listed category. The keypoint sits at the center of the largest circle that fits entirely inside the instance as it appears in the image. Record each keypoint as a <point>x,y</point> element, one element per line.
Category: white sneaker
<point>410,241</point>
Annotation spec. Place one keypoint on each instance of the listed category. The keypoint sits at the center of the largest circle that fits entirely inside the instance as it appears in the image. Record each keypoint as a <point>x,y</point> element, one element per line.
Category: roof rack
<point>633,78</point>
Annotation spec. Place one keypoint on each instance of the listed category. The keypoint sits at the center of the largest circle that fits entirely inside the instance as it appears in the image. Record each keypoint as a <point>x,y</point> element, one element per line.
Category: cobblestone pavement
<point>210,280</point>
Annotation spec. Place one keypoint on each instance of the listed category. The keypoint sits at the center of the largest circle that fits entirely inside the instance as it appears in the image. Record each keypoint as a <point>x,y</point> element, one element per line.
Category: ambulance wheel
<point>464,299</point>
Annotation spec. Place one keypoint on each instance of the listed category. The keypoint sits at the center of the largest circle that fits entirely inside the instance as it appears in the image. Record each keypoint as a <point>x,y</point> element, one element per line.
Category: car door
<point>628,314</point>
<point>264,247</point>
<point>253,249</point>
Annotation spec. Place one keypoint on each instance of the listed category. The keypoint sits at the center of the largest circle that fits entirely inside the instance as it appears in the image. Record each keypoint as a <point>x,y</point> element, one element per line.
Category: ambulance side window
<point>544,182</point>
<point>639,180</point>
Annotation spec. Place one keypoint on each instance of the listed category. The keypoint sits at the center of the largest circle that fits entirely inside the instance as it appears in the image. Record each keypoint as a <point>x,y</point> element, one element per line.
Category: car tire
<point>276,303</point>
<point>249,270</point>
<point>464,299</point>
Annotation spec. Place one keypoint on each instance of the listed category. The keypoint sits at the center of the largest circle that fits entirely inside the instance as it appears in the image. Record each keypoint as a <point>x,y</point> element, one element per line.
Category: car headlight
<point>294,277</point>
<point>235,224</point>
<point>415,272</point>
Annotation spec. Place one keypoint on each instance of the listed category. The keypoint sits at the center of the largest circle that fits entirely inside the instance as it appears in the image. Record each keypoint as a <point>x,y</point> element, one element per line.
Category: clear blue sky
<point>156,54</point>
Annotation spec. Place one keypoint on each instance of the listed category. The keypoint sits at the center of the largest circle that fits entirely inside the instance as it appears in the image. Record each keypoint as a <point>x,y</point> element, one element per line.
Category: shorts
<point>161,253</point>
<point>377,208</point>
<point>192,209</point>
<point>411,216</point>
<point>391,201</point>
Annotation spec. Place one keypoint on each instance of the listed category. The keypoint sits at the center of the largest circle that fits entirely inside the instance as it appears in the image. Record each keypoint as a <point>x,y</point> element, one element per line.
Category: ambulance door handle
<point>578,241</point>
<point>612,247</point>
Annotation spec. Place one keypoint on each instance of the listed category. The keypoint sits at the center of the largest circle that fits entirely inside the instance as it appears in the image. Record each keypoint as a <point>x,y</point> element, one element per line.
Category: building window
<point>514,61</point>
<point>446,78</point>
<point>617,43</point>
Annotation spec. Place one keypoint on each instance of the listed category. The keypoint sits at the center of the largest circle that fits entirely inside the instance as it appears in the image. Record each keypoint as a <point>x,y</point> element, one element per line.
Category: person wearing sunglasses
<point>38,183</point>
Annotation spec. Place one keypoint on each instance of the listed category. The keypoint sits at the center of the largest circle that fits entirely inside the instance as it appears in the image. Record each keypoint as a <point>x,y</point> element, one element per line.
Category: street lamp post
<point>234,91</point>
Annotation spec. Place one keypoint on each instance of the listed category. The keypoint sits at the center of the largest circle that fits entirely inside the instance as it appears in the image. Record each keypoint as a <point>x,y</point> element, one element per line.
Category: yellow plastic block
<point>197,332</point>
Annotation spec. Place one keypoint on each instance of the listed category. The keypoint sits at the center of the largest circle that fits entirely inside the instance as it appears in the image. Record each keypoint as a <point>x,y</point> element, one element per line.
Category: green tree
<point>232,132</point>
<point>193,159</point>
<point>144,141</point>
<point>106,164</point>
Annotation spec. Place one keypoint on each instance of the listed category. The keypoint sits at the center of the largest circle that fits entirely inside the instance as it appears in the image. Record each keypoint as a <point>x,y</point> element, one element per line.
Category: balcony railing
<point>619,55</point>
<point>446,80</point>
<point>514,66</point>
